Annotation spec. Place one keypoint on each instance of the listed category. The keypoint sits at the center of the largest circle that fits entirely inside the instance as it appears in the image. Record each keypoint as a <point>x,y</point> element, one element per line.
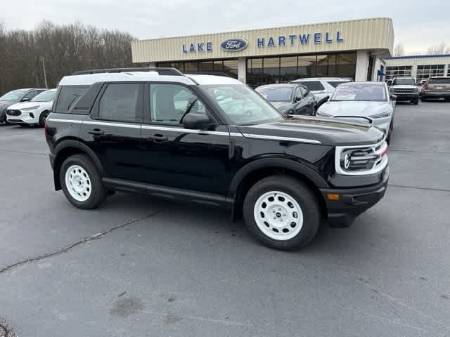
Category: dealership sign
<point>291,40</point>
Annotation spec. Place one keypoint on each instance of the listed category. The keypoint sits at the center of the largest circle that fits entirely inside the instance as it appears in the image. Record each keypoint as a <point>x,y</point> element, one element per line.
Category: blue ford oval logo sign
<point>234,45</point>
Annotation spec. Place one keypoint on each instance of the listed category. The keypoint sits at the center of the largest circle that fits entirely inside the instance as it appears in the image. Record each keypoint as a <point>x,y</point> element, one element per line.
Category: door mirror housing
<point>197,121</point>
<point>298,99</point>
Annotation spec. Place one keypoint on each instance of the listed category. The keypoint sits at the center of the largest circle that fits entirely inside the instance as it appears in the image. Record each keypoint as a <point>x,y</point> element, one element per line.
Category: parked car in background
<point>33,112</point>
<point>436,88</point>
<point>364,102</point>
<point>405,89</point>
<point>322,87</point>
<point>213,140</point>
<point>15,96</point>
<point>293,99</point>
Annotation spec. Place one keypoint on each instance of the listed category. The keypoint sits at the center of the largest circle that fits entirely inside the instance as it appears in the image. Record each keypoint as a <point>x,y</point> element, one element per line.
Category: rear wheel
<point>415,101</point>
<point>3,120</point>
<point>81,182</point>
<point>282,212</point>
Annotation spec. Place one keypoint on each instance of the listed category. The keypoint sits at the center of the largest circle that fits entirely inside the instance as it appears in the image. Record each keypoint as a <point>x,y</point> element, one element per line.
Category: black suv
<point>212,139</point>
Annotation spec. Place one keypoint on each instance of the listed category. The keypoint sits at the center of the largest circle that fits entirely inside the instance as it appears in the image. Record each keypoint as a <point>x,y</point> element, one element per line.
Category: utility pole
<point>45,72</point>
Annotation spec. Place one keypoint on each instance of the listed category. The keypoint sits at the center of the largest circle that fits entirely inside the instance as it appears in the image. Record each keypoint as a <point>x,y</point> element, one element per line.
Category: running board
<point>167,192</point>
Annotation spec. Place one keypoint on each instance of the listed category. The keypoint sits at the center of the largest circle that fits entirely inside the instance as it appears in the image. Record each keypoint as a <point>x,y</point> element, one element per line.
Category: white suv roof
<point>132,76</point>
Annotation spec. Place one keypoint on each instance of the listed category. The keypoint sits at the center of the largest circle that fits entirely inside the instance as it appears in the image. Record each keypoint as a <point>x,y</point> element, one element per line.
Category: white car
<point>368,102</point>
<point>34,112</point>
<point>322,87</point>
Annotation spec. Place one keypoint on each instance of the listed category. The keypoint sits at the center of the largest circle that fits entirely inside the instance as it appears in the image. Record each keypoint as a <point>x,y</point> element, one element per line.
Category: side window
<point>170,102</point>
<point>119,102</point>
<point>299,93</point>
<point>67,96</point>
<point>304,91</point>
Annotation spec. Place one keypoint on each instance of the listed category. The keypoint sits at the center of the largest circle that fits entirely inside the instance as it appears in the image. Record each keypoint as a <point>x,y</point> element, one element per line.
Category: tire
<point>415,101</point>
<point>3,120</point>
<point>79,169</point>
<point>423,99</point>
<point>42,118</point>
<point>295,211</point>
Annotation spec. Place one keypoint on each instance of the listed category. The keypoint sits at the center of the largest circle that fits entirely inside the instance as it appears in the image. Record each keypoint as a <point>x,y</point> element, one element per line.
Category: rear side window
<point>119,102</point>
<point>313,85</point>
<point>68,96</point>
<point>445,80</point>
<point>31,94</point>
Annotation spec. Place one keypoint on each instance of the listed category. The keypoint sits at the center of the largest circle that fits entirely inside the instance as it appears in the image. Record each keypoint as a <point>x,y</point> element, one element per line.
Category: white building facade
<point>419,67</point>
<point>355,49</point>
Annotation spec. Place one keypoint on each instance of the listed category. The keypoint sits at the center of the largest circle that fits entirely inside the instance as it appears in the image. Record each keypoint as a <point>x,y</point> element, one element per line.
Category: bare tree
<point>399,50</point>
<point>438,49</point>
<point>64,49</point>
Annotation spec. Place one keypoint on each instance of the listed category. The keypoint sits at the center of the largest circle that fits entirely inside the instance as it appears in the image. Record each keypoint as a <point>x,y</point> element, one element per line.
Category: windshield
<point>15,95</point>
<point>276,94</point>
<point>336,83</point>
<point>240,104</point>
<point>404,81</point>
<point>444,80</point>
<point>360,92</point>
<point>45,96</point>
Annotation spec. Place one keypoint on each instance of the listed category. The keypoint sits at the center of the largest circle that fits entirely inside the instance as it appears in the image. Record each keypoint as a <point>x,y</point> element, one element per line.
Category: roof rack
<point>159,70</point>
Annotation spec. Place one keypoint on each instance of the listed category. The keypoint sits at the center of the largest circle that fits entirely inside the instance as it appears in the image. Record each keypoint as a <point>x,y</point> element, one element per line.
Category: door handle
<point>158,138</point>
<point>96,132</point>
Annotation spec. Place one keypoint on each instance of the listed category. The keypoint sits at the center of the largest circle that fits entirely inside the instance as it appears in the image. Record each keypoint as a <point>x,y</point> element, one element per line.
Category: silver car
<point>367,102</point>
<point>322,87</point>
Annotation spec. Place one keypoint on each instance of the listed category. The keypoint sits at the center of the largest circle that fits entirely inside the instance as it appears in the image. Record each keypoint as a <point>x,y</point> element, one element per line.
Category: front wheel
<point>282,212</point>
<point>415,101</point>
<point>43,118</point>
<point>81,182</point>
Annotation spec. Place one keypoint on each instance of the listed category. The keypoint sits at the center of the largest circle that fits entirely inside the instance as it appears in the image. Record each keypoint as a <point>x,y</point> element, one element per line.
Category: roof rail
<point>216,73</point>
<point>159,70</point>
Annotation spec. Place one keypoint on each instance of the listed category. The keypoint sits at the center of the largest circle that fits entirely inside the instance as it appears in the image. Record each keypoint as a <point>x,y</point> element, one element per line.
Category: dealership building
<point>420,67</point>
<point>355,49</point>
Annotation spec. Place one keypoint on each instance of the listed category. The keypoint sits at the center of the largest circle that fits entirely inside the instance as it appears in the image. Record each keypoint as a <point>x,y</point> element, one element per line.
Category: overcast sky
<point>419,24</point>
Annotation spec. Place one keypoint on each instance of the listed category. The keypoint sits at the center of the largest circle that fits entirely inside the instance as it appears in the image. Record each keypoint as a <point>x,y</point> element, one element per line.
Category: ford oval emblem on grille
<point>234,45</point>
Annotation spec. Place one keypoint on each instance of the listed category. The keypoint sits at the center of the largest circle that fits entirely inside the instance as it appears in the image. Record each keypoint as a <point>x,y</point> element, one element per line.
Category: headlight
<point>381,115</point>
<point>361,160</point>
<point>30,108</point>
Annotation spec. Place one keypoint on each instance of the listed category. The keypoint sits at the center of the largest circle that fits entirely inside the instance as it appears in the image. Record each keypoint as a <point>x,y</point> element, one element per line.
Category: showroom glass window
<point>119,102</point>
<point>399,71</point>
<point>227,67</point>
<point>283,69</point>
<point>430,70</point>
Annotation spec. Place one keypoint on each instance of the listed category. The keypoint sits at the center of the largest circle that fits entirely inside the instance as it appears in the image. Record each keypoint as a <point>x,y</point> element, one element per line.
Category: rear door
<point>178,157</point>
<point>113,129</point>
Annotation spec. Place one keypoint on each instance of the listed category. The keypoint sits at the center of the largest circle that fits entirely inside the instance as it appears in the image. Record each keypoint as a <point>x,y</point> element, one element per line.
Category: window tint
<point>276,93</point>
<point>169,102</point>
<point>68,96</point>
<point>119,102</point>
<point>313,85</point>
<point>304,91</point>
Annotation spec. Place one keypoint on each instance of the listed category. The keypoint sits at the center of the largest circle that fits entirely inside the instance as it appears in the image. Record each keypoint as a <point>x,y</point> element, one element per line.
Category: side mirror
<point>196,121</point>
<point>298,99</point>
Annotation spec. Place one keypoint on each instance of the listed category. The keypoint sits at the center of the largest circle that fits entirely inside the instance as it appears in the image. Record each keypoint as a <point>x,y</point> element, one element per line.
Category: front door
<point>177,157</point>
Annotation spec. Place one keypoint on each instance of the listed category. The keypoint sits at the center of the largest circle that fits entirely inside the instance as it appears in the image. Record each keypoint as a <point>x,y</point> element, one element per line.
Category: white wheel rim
<point>78,183</point>
<point>278,215</point>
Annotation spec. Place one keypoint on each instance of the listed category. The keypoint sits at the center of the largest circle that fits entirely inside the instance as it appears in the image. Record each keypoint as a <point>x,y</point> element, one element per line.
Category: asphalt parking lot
<point>140,266</point>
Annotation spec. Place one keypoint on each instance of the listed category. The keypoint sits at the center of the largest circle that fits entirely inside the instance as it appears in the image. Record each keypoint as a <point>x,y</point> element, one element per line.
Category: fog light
<point>333,196</point>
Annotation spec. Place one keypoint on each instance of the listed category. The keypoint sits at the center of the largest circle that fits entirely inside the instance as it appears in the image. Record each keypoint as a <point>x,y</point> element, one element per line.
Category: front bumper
<point>352,202</point>
<point>406,96</point>
<point>22,119</point>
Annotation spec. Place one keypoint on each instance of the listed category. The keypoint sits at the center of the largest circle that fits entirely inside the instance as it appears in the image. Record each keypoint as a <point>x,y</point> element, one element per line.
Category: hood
<point>24,105</point>
<point>327,131</point>
<point>282,106</point>
<point>353,108</point>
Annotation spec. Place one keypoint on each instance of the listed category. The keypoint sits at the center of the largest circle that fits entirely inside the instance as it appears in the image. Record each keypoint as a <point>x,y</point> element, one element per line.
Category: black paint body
<point>219,164</point>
